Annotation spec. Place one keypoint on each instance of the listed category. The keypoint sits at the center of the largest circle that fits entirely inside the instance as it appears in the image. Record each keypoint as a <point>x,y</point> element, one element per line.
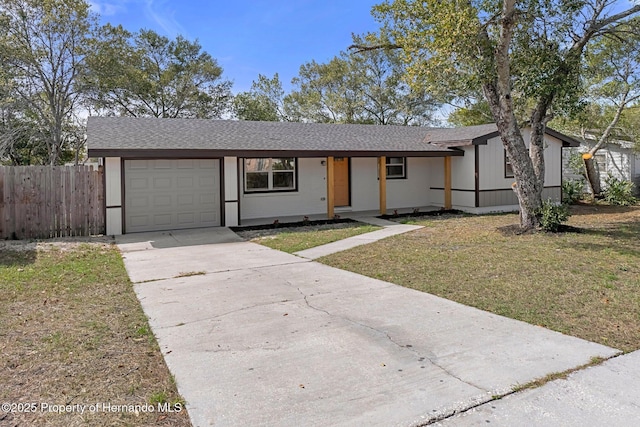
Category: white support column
<point>231,185</point>
<point>113,195</point>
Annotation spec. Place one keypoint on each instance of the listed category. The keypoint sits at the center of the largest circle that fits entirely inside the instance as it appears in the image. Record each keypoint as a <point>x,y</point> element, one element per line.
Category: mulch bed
<point>278,224</point>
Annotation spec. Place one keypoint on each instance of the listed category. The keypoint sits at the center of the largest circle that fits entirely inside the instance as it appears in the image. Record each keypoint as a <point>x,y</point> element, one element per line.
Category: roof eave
<point>204,153</point>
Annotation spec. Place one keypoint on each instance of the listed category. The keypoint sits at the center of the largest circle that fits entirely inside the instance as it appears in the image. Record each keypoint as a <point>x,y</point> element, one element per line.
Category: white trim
<point>114,221</point>
<point>113,181</point>
<point>231,214</point>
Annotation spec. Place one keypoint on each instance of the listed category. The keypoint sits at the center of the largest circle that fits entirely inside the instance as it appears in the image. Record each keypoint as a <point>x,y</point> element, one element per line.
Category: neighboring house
<point>617,158</point>
<point>165,174</point>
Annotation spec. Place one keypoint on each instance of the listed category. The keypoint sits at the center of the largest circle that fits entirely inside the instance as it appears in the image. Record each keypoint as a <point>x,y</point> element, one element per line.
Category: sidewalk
<point>390,228</point>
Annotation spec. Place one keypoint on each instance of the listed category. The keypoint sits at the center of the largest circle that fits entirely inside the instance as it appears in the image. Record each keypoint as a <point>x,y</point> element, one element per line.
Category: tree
<point>366,87</point>
<point>476,113</point>
<point>526,53</point>
<point>612,80</point>
<point>42,51</point>
<point>146,74</point>
<point>263,102</point>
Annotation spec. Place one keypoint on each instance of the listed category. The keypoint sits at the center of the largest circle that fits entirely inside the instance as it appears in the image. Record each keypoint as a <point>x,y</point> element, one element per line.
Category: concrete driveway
<point>256,336</point>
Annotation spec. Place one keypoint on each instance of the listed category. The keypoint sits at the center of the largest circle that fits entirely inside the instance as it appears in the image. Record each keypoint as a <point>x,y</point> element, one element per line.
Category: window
<point>508,170</point>
<point>261,175</point>
<point>396,167</point>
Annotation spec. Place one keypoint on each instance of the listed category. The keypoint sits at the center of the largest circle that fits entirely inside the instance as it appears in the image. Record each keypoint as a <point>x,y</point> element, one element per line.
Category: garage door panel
<point>187,164</point>
<point>171,194</point>
<point>162,220</point>
<point>162,164</point>
<point>163,201</point>
<point>185,182</point>
<point>137,164</point>
<point>162,183</point>
<point>185,200</point>
<point>139,184</point>
<point>139,202</point>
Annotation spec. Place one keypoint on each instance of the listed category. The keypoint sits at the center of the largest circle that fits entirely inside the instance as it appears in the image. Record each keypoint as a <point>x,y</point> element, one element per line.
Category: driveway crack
<point>391,340</point>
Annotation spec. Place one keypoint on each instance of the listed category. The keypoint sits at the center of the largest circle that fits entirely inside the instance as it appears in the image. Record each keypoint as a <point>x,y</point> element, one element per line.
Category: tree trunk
<point>593,177</point>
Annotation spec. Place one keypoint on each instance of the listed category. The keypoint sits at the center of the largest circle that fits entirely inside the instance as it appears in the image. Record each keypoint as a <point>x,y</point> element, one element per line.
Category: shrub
<point>572,191</point>
<point>619,192</point>
<point>551,215</point>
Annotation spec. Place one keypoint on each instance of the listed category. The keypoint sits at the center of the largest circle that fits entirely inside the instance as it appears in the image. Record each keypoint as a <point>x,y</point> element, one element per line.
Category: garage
<point>170,194</point>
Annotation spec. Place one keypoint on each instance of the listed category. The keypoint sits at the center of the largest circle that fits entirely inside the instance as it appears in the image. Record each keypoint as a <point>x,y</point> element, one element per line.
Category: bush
<point>551,215</point>
<point>619,192</point>
<point>572,191</point>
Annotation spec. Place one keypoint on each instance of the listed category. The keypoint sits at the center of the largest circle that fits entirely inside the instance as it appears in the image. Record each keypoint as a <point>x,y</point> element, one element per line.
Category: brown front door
<point>341,181</point>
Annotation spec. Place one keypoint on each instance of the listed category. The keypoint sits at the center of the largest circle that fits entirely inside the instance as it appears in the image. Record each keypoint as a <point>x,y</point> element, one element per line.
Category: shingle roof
<point>111,136</point>
<point>462,136</point>
<point>125,133</point>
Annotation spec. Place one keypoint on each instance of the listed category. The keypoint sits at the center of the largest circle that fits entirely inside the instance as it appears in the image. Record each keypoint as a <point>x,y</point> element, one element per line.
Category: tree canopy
<point>263,102</point>
<point>365,87</point>
<point>42,50</point>
<point>148,75</point>
<point>520,55</point>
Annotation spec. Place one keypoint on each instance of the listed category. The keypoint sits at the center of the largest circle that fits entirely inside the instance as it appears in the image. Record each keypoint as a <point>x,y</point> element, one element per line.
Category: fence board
<point>51,201</point>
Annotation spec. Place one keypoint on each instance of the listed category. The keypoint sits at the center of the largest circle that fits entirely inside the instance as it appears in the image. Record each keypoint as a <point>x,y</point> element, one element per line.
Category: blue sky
<point>248,38</point>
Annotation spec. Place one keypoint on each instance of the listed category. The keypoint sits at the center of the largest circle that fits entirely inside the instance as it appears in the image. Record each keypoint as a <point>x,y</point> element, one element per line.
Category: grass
<point>73,332</point>
<point>584,284</point>
<point>302,238</point>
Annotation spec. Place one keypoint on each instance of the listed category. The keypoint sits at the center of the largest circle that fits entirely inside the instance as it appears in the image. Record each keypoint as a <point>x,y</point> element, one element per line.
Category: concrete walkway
<point>257,336</point>
<point>390,228</point>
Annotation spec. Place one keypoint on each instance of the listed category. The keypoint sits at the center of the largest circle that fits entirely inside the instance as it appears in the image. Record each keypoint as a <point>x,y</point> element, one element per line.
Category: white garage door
<point>169,194</point>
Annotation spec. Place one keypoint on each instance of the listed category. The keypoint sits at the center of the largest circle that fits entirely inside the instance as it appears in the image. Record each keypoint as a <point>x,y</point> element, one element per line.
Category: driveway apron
<point>257,336</point>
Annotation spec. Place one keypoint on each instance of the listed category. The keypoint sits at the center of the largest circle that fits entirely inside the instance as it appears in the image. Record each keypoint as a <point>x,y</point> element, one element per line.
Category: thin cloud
<point>164,17</point>
<point>105,8</point>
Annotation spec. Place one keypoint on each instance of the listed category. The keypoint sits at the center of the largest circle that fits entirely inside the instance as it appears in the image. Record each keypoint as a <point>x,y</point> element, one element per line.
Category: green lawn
<point>585,284</point>
<point>298,239</point>
<point>73,332</point>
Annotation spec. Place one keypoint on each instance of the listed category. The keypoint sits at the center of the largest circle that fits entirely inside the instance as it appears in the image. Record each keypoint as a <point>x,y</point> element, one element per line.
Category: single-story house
<point>163,174</point>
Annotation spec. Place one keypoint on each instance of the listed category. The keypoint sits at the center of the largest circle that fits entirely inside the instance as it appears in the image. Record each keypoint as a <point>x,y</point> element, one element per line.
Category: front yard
<point>72,333</point>
<point>584,283</point>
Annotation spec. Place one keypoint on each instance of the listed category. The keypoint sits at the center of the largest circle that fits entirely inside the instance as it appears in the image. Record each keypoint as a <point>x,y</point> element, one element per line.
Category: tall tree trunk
<point>498,95</point>
<point>538,121</point>
<point>593,177</point>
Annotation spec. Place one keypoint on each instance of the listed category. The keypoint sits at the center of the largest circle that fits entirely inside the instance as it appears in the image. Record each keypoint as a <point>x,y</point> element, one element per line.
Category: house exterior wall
<point>492,173</point>
<point>621,162</point>
<point>462,180</point>
<point>413,191</point>
<point>230,192</point>
<point>310,197</point>
<point>365,192</point>
<point>113,195</point>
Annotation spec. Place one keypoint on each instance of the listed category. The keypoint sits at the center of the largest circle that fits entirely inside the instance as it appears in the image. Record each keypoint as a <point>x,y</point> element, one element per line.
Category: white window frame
<point>403,164</point>
<point>270,174</point>
<point>508,167</point>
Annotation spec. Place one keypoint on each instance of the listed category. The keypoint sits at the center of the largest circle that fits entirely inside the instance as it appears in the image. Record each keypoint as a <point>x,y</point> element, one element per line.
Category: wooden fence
<point>51,201</point>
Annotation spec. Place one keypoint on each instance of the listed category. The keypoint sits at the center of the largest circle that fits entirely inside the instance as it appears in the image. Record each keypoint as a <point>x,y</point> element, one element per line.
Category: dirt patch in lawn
<point>585,283</point>
<point>76,347</point>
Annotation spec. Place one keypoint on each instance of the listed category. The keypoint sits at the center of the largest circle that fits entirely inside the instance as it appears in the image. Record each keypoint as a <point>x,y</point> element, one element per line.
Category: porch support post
<point>330,188</point>
<point>447,182</point>
<point>382,178</point>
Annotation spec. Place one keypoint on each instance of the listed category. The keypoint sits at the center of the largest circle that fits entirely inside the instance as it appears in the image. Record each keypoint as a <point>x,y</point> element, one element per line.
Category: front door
<point>341,181</point>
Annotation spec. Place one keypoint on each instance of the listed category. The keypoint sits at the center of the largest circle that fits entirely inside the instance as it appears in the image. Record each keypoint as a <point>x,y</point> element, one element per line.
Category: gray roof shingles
<point>108,135</point>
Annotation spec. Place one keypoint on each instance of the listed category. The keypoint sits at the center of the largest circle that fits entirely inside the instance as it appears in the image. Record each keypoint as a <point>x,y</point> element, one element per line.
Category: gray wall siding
<point>508,197</point>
